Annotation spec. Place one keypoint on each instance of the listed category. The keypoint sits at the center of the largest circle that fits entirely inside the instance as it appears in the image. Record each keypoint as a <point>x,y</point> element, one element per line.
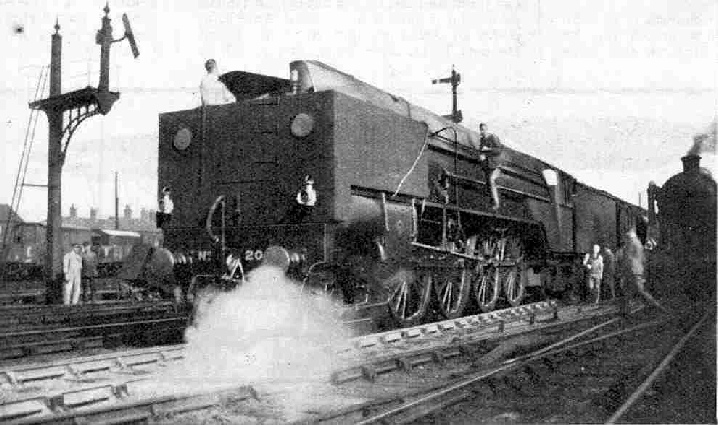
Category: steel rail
<point>141,411</point>
<point>115,393</point>
<point>90,327</point>
<point>368,369</point>
<point>481,322</point>
<point>28,343</point>
<point>91,358</point>
<point>609,336</point>
<point>646,384</point>
<point>435,395</point>
<point>405,360</point>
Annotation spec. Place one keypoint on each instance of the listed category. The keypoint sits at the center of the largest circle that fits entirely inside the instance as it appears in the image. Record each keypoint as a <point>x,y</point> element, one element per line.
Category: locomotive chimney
<point>691,163</point>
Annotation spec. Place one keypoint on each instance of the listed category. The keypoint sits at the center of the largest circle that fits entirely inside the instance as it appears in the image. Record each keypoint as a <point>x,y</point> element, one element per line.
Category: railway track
<point>31,331</point>
<point>590,377</point>
<point>116,387</point>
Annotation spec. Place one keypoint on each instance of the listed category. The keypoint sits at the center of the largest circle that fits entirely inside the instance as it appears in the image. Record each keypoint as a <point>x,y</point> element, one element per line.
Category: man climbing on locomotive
<point>490,158</point>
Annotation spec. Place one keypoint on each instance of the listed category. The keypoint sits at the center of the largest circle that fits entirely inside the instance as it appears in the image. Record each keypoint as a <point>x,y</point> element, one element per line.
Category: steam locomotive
<point>402,217</point>
<point>684,213</point>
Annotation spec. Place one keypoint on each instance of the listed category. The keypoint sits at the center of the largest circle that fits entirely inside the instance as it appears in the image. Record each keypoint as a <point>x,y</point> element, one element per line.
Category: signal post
<point>455,78</point>
<point>65,112</point>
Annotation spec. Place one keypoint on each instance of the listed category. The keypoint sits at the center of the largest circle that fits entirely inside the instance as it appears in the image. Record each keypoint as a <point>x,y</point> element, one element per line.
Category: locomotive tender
<point>402,215</point>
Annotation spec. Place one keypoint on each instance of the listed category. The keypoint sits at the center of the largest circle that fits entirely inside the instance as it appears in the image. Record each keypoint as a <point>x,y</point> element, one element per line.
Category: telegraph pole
<point>117,205</point>
<point>455,78</point>
<point>65,112</point>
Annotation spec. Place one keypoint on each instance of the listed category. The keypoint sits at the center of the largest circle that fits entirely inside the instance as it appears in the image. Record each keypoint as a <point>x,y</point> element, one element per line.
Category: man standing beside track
<point>594,263</point>
<point>631,267</point>
<point>609,271</point>
<point>72,267</point>
<point>89,271</point>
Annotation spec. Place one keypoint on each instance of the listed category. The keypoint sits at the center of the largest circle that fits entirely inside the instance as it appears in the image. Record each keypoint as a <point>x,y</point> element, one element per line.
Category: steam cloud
<point>267,334</point>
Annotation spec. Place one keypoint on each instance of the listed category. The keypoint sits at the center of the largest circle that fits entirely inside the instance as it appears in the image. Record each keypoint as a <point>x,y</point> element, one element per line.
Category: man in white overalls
<point>72,267</point>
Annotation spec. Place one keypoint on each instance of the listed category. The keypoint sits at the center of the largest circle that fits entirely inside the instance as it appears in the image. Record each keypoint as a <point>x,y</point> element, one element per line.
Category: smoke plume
<point>705,142</point>
<point>266,334</point>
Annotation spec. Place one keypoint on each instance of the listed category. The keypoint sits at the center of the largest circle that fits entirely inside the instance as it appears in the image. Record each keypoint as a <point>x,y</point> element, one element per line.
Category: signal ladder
<point>22,168</point>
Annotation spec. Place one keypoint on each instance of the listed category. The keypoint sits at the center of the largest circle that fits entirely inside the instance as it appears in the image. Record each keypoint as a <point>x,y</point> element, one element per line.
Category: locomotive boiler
<point>684,210</point>
<point>369,197</point>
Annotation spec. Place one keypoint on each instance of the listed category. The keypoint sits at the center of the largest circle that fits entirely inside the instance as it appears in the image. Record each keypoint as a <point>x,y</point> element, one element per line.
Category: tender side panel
<point>375,148</point>
<point>596,220</point>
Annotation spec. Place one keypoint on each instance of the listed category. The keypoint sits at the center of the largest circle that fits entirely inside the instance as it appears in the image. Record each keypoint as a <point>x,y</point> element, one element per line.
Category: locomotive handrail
<point>483,261</point>
<point>510,167</point>
<point>208,223</point>
<point>481,213</point>
<point>316,264</point>
<point>527,194</point>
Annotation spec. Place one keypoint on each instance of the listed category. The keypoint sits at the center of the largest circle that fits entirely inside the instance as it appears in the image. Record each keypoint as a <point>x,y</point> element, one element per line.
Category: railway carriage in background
<point>402,216</point>
<point>25,255</point>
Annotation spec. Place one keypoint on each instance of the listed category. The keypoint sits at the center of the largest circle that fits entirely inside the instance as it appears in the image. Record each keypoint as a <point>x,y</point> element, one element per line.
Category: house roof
<point>132,224</point>
<point>111,232</point>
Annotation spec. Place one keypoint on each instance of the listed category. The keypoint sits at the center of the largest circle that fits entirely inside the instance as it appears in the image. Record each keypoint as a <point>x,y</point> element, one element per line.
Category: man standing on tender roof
<point>213,91</point>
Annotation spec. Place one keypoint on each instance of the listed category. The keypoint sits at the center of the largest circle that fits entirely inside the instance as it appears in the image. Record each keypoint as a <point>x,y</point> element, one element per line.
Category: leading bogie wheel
<point>486,287</point>
<point>410,296</point>
<point>451,288</point>
<point>513,285</point>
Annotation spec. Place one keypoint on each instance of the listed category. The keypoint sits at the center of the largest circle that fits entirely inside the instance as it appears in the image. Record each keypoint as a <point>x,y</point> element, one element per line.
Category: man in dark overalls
<point>490,150</point>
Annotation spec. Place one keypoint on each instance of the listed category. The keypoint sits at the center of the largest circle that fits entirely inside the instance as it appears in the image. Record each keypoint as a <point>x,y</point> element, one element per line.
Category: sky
<point>611,91</point>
